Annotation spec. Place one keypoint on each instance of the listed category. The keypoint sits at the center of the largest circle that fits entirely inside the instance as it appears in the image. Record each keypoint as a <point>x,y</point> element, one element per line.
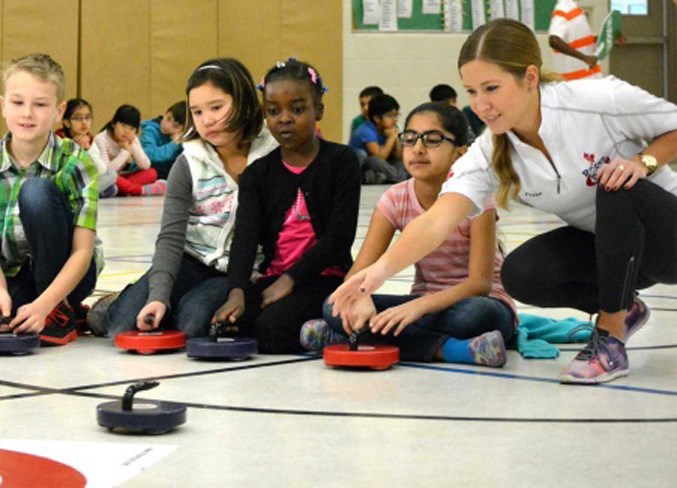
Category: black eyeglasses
<point>431,138</point>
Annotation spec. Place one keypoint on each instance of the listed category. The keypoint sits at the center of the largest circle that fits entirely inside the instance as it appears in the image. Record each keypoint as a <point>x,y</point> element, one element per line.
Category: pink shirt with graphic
<point>447,265</point>
<point>296,236</point>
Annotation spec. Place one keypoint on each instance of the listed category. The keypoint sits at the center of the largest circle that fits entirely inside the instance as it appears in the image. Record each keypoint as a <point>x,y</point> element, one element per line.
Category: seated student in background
<point>300,204</point>
<point>365,96</point>
<point>48,206</point>
<point>458,310</point>
<point>161,138</point>
<point>375,141</point>
<point>118,146</point>
<point>77,125</point>
<point>187,281</point>
<point>446,94</point>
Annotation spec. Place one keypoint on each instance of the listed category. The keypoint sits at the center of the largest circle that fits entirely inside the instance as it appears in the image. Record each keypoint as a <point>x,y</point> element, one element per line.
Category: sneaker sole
<point>58,341</point>
<point>605,378</point>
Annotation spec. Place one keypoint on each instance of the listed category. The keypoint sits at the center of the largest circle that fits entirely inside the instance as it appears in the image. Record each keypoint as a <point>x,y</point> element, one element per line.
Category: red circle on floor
<point>19,470</point>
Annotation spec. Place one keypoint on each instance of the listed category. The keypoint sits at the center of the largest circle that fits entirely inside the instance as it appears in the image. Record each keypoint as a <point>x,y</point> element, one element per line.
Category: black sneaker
<point>59,327</point>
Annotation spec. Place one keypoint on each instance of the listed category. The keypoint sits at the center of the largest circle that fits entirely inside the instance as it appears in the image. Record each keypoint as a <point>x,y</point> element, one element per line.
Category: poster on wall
<point>431,6</point>
<point>479,14</point>
<point>405,8</point>
<point>370,12</point>
<point>453,16</point>
<point>527,14</point>
<point>512,9</point>
<point>496,9</point>
<point>388,20</point>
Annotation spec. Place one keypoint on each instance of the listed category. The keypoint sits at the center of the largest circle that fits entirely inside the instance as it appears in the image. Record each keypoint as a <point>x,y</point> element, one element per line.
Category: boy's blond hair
<point>43,67</point>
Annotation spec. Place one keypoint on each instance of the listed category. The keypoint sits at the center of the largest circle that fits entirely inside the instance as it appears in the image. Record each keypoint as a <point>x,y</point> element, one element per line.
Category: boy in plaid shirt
<point>48,205</point>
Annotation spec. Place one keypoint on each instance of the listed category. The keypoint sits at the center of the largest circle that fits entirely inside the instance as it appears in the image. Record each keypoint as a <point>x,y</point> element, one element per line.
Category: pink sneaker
<point>603,359</point>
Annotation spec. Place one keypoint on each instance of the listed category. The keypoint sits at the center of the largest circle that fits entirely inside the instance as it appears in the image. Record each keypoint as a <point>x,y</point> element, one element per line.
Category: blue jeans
<point>420,340</point>
<point>47,221</point>
<point>198,292</point>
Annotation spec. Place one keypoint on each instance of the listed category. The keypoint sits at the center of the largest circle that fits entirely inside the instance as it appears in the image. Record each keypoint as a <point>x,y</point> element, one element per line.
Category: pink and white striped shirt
<point>115,157</point>
<point>447,265</point>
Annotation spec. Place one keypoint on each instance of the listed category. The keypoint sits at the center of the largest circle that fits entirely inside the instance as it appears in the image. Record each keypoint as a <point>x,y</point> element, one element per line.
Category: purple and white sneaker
<point>637,316</point>
<point>603,359</point>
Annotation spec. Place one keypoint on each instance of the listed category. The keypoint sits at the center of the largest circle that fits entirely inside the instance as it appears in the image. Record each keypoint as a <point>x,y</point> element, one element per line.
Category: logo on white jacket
<point>591,172</point>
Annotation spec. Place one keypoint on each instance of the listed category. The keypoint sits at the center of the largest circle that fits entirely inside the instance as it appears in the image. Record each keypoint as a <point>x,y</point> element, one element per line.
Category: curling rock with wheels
<point>149,342</point>
<point>18,344</point>
<point>234,348</point>
<point>144,416</point>
<point>373,357</point>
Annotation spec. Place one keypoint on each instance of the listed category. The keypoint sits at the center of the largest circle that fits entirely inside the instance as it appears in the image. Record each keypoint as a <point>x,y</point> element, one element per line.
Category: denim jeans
<point>420,340</point>
<point>47,221</point>
<point>198,292</point>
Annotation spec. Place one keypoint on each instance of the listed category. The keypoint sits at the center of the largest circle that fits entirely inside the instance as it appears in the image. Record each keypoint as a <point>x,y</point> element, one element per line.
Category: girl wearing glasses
<point>573,149</point>
<point>457,310</point>
<point>77,125</point>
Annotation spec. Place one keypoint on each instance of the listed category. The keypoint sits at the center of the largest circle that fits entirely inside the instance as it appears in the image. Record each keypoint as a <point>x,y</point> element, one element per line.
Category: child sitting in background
<point>161,138</point>
<point>118,146</point>
<point>446,94</point>
<point>300,204</point>
<point>458,310</point>
<point>365,96</point>
<point>77,125</point>
<point>48,203</point>
<point>377,145</point>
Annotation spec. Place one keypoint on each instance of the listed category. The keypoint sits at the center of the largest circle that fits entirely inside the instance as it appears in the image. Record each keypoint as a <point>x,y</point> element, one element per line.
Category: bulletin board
<point>419,21</point>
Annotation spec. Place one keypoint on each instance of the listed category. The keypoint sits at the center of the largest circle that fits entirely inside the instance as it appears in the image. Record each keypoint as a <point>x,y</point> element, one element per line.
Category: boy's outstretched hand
<point>30,319</point>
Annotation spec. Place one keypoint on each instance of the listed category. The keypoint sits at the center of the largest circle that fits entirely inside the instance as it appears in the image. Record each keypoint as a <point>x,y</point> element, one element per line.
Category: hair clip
<point>262,84</point>
<point>280,64</point>
<point>313,75</point>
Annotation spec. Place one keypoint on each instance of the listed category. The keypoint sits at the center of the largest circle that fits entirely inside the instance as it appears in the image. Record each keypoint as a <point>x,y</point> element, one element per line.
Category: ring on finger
<point>621,167</point>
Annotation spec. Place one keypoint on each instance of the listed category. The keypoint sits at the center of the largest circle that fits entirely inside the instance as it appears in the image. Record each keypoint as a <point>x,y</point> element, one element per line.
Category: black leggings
<point>634,246</point>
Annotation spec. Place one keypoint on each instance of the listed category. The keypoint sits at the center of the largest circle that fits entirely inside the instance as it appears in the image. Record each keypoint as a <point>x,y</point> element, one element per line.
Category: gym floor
<point>291,421</point>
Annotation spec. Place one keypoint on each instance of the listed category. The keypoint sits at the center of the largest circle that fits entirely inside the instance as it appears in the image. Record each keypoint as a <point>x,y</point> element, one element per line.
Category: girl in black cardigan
<point>300,204</point>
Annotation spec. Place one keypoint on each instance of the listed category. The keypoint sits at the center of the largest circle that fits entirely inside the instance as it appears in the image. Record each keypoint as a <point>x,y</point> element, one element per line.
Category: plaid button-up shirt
<point>74,174</point>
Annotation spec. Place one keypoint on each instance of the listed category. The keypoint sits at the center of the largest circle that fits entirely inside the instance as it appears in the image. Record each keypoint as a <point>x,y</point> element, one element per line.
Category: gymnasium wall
<point>143,51</point>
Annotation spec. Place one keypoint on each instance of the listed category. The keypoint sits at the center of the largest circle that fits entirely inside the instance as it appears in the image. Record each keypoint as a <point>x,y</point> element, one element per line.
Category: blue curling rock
<point>18,344</point>
<point>233,348</point>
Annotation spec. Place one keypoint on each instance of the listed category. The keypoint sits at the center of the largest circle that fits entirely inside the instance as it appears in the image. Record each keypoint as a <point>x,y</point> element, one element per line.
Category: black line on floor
<point>397,416</point>
<point>47,391</point>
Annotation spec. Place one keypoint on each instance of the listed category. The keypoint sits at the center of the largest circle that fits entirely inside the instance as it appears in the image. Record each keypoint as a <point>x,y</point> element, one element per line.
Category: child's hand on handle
<point>151,315</point>
<point>5,310</point>
<point>360,313</point>
<point>30,319</point>
<point>233,309</point>
<point>364,282</point>
<point>282,287</point>
<point>400,316</point>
